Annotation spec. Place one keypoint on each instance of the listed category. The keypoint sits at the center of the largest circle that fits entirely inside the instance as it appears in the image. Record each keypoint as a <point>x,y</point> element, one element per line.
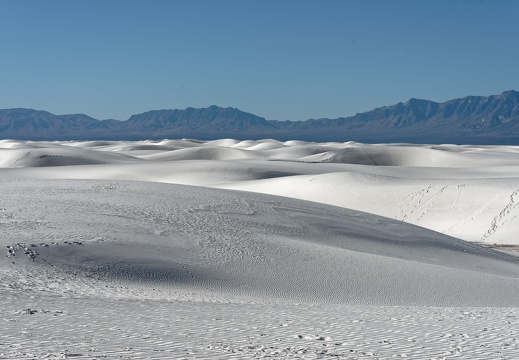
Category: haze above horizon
<point>280,60</point>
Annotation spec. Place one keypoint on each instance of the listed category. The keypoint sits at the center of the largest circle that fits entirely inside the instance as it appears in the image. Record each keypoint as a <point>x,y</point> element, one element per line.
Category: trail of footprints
<point>30,250</point>
<point>413,204</point>
<point>414,207</point>
<point>504,215</point>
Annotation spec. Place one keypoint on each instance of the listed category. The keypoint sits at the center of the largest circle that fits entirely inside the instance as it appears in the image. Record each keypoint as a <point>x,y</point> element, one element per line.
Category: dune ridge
<point>258,249</point>
<point>245,243</point>
<point>464,191</point>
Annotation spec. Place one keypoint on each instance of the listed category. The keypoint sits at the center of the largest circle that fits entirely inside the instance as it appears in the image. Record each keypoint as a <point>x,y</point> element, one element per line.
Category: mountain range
<point>474,119</point>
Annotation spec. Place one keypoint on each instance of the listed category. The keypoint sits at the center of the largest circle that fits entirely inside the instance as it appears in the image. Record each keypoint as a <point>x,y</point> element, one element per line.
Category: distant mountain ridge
<point>476,119</point>
<point>472,119</point>
<point>207,120</point>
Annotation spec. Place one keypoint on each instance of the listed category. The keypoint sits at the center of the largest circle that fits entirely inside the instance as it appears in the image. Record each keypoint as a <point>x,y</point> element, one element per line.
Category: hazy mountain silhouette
<point>473,119</point>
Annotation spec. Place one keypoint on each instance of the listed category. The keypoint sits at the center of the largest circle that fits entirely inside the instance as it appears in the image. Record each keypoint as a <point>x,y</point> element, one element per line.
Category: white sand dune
<point>106,255</point>
<point>56,155</point>
<point>479,210</point>
<point>422,156</point>
<point>464,191</point>
<point>206,153</point>
<point>249,244</point>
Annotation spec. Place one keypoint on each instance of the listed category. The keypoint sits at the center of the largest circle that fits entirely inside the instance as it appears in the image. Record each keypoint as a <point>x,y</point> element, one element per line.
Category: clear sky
<point>280,59</point>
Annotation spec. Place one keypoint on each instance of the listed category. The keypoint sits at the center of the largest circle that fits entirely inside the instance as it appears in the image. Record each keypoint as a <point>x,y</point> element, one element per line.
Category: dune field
<point>227,249</point>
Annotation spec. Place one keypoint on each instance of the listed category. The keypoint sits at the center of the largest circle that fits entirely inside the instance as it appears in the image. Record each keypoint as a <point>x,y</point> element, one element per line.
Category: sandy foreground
<point>185,249</point>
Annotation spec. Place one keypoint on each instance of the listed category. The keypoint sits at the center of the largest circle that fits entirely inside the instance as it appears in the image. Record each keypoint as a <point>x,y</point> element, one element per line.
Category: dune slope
<point>175,239</point>
<point>107,256</point>
<point>470,192</point>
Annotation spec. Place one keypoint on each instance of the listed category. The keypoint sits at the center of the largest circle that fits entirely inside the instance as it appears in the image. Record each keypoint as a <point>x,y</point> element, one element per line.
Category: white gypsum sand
<point>108,254</point>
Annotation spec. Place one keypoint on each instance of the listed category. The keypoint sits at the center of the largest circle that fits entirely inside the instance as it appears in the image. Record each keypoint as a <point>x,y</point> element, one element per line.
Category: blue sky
<point>280,59</point>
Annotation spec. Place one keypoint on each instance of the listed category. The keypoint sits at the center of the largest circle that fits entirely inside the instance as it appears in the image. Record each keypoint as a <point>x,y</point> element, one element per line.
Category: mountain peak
<point>510,94</point>
<point>417,102</point>
<point>202,122</point>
